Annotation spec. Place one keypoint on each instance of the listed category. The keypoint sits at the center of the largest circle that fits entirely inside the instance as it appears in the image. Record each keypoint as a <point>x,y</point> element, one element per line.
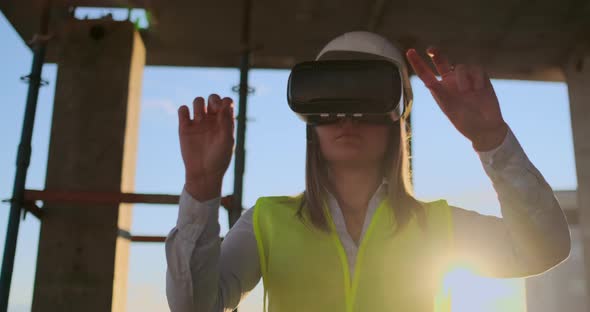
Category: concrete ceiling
<point>514,39</point>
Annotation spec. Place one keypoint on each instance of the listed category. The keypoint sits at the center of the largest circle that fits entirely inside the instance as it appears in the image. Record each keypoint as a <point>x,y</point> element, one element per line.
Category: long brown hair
<point>396,166</point>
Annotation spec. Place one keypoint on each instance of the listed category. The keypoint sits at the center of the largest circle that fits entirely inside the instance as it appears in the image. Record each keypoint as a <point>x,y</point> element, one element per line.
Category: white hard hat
<point>364,42</point>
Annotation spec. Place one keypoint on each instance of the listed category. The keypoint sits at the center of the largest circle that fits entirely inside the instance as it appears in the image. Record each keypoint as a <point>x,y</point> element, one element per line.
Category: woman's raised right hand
<point>206,144</point>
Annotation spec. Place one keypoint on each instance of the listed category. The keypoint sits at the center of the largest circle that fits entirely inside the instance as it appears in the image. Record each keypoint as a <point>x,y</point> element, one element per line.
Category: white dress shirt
<point>532,236</point>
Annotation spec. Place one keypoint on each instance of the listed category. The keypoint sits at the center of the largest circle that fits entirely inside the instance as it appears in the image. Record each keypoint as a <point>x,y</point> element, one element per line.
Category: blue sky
<point>445,165</point>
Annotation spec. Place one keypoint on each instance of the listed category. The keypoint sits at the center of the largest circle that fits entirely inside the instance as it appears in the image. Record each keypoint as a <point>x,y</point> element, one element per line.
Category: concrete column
<point>82,262</point>
<point>577,72</point>
<point>567,287</point>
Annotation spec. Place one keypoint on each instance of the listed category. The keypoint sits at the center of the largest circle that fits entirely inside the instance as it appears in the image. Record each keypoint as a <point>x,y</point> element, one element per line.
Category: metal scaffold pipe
<point>235,212</point>
<point>39,44</point>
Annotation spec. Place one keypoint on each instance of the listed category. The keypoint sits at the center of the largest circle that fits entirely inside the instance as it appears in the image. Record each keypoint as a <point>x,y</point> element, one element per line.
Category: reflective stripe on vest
<point>305,269</point>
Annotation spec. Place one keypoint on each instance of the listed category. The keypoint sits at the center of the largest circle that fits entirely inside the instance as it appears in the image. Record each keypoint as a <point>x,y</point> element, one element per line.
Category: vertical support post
<point>577,73</point>
<point>82,260</point>
<point>23,159</point>
<point>410,148</point>
<point>235,212</point>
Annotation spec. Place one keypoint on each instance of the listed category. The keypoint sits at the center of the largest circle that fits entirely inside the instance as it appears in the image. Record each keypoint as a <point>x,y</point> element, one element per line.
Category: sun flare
<point>469,292</point>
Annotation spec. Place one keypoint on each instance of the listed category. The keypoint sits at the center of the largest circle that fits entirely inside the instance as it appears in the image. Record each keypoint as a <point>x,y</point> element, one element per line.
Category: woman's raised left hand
<point>466,96</point>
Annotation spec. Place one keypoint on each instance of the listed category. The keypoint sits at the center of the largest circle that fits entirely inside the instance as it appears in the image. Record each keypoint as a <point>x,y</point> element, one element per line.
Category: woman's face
<point>352,143</point>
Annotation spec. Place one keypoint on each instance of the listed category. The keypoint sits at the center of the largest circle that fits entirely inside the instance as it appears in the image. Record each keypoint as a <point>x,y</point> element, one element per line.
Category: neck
<point>353,187</point>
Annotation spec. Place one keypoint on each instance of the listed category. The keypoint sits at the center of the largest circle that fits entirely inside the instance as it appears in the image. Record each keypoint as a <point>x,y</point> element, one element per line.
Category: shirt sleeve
<point>531,237</point>
<point>203,273</point>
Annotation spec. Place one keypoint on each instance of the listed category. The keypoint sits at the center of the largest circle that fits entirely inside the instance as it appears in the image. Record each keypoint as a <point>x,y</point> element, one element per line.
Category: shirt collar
<point>379,194</point>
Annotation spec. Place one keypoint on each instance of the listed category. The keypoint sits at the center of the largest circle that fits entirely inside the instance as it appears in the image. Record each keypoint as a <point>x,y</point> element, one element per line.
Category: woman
<point>356,239</point>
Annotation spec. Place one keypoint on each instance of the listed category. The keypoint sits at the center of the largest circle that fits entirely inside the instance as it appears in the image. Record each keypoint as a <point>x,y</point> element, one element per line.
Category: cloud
<point>262,89</point>
<point>163,105</point>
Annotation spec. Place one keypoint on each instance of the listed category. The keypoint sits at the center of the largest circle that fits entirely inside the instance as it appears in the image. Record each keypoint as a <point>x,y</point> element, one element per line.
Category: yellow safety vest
<point>305,269</point>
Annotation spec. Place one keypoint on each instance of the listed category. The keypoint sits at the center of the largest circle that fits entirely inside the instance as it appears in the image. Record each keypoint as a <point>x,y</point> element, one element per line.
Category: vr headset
<point>373,91</point>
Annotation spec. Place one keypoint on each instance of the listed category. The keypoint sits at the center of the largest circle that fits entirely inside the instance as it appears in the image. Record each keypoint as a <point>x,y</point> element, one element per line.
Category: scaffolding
<point>25,201</point>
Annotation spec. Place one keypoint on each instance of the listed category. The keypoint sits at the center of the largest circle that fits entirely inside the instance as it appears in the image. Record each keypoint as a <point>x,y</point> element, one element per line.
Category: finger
<point>462,77</point>
<point>184,117</point>
<point>421,68</point>
<point>442,64</point>
<point>227,102</point>
<point>199,108</point>
<point>226,108</point>
<point>213,103</point>
<point>477,77</point>
<point>230,116</point>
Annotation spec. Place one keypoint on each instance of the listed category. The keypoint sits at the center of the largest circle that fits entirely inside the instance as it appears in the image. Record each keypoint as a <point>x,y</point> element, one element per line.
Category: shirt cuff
<point>508,152</point>
<point>194,215</point>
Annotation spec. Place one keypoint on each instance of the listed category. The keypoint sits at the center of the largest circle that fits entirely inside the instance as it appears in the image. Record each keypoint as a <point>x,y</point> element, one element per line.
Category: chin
<point>348,154</point>
<point>350,158</point>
